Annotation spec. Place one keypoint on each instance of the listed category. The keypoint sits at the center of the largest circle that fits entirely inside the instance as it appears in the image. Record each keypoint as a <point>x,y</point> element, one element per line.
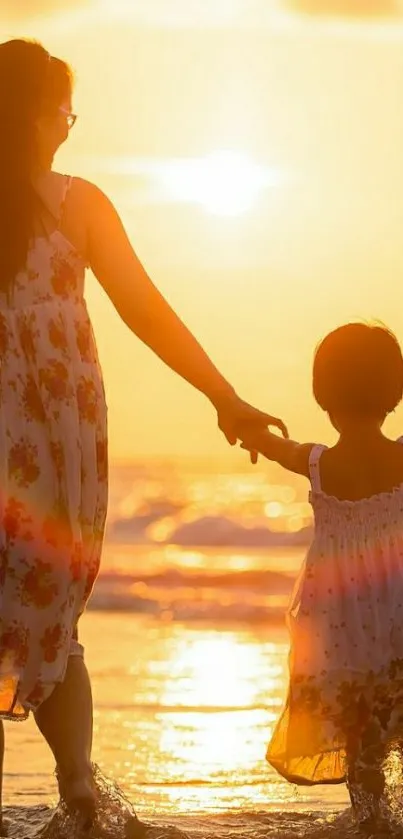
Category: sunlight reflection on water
<point>183,716</point>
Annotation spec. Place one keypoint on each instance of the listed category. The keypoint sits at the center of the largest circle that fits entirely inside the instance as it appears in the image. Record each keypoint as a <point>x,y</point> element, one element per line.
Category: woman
<point>53,434</point>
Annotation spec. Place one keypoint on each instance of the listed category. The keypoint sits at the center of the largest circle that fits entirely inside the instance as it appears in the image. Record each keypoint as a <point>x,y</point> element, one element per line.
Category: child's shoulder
<point>358,473</point>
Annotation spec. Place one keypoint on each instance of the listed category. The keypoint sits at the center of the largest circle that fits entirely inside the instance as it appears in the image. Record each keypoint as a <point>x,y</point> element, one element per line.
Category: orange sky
<point>317,104</point>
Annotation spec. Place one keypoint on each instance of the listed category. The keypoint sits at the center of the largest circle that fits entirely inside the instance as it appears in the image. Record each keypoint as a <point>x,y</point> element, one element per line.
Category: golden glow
<point>218,675</point>
<point>212,672</point>
<point>161,530</point>
<point>269,210</point>
<point>225,183</point>
<point>273,509</point>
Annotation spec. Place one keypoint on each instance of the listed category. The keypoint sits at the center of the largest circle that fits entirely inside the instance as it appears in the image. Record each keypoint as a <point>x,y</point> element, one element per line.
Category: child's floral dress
<point>345,702</point>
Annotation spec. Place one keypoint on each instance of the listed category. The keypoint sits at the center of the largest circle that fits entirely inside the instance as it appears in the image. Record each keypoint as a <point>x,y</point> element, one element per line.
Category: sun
<point>225,183</point>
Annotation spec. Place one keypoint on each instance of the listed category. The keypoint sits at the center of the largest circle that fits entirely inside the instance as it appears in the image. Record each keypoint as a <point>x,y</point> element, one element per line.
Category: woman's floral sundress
<point>345,700</point>
<point>53,471</point>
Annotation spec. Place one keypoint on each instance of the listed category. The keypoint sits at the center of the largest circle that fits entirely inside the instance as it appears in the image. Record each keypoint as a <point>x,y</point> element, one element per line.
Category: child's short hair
<point>358,370</point>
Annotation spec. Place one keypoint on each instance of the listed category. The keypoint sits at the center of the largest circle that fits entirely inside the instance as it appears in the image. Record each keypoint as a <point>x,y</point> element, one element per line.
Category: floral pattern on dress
<point>53,471</point>
<point>344,709</point>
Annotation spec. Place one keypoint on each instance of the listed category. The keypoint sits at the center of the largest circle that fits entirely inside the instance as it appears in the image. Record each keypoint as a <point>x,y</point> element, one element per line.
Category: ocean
<point>187,648</point>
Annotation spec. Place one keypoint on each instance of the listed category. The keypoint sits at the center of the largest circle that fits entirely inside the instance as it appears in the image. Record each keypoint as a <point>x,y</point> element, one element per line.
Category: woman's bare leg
<point>66,722</point>
<point>1,773</point>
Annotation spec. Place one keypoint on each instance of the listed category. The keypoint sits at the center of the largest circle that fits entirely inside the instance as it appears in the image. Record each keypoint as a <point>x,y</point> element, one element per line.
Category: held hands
<point>253,439</point>
<point>239,420</point>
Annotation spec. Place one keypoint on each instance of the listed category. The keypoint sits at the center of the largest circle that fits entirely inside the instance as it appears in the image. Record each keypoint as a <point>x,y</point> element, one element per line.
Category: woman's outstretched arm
<point>151,318</point>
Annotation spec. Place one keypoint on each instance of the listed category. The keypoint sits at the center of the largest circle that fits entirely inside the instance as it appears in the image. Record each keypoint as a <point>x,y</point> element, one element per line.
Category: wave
<point>206,531</point>
<point>220,531</point>
<point>157,708</point>
<point>190,612</point>
<point>171,578</point>
<point>253,596</point>
<point>281,821</point>
<point>133,529</point>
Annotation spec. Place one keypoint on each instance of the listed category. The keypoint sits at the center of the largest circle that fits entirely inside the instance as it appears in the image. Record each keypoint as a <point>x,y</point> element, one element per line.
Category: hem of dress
<point>10,717</point>
<point>76,650</point>
<point>300,781</point>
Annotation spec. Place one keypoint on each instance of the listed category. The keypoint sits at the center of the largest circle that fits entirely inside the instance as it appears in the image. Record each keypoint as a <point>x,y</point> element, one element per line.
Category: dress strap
<point>68,180</point>
<point>314,473</point>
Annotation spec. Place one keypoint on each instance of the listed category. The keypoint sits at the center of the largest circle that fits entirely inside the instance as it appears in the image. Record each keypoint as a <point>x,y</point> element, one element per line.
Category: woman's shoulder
<point>79,186</point>
<point>92,203</point>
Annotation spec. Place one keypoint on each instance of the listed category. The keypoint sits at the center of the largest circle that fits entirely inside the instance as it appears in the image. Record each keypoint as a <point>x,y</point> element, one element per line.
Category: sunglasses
<point>71,118</point>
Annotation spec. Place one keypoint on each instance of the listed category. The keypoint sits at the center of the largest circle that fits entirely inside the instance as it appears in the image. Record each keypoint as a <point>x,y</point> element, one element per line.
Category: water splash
<point>116,819</point>
<point>41,823</point>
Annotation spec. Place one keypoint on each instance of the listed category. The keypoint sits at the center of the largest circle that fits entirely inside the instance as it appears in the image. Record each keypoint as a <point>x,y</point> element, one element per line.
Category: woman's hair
<point>32,84</point>
<point>358,370</point>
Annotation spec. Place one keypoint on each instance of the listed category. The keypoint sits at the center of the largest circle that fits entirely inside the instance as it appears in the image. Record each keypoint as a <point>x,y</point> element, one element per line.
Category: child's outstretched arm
<point>293,456</point>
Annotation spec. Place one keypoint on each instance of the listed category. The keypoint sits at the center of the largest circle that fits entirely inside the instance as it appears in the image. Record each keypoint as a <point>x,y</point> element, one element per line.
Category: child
<point>344,710</point>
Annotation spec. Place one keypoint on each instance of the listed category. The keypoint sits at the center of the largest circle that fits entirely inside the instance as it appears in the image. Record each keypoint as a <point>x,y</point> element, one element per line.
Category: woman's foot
<point>135,829</point>
<point>78,793</point>
<point>375,828</point>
